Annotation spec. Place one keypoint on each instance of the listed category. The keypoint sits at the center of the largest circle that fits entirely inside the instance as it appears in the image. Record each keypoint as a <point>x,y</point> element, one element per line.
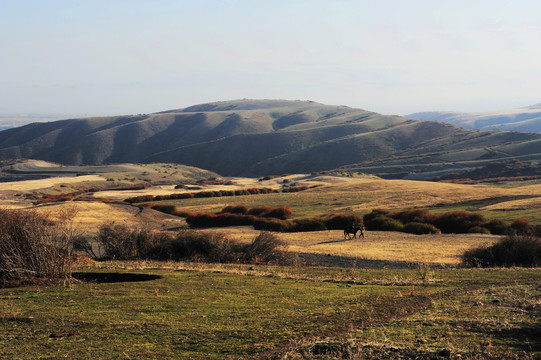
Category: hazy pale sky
<point>110,57</point>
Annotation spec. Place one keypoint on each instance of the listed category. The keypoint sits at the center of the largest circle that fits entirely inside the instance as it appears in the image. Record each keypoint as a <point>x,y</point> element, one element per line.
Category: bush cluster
<point>200,194</point>
<point>513,250</point>
<point>240,216</point>
<point>34,247</point>
<point>120,242</point>
<point>424,222</point>
<point>217,193</point>
<point>336,222</point>
<point>268,218</point>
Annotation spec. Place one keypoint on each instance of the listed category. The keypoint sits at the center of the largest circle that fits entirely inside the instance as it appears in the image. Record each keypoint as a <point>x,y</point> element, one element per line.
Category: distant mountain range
<point>526,119</point>
<point>264,137</point>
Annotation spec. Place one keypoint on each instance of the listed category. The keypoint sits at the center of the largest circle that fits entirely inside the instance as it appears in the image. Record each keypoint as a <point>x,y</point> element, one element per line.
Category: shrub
<point>458,221</point>
<point>308,225</point>
<point>33,246</point>
<point>203,246</point>
<point>282,212</point>
<point>479,230</point>
<point>265,248</point>
<point>259,211</point>
<point>235,209</point>
<point>385,223</point>
<point>218,220</point>
<point>168,209</point>
<point>295,188</point>
<point>118,241</point>
<point>515,250</point>
<point>414,215</point>
<point>421,228</point>
<point>137,199</point>
<point>497,227</point>
<point>272,225</point>
<point>342,221</point>
<point>368,218</point>
<point>521,226</point>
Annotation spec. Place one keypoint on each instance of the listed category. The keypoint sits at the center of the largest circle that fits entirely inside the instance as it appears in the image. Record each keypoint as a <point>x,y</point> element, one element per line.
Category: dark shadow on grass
<point>350,262</point>
<point>337,241</point>
<point>113,277</point>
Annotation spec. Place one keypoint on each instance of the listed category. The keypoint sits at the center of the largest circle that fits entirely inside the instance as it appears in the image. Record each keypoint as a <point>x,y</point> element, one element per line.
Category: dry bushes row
<point>119,242</point>
<point>216,193</point>
<point>336,222</point>
<point>267,218</point>
<point>200,194</point>
<point>239,217</point>
<point>418,221</point>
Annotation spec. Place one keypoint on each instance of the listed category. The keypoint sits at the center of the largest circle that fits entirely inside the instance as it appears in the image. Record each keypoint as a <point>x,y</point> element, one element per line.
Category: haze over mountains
<point>264,137</point>
<point>527,119</point>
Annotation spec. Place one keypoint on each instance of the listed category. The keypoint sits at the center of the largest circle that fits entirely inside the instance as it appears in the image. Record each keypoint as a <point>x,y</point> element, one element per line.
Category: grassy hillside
<point>261,137</point>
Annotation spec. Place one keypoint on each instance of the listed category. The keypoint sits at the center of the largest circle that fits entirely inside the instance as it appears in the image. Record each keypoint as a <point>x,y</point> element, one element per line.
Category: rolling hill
<point>526,119</point>
<point>264,137</point>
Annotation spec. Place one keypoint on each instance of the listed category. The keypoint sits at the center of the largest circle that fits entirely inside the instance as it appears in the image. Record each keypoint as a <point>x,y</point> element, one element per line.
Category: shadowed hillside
<point>261,137</point>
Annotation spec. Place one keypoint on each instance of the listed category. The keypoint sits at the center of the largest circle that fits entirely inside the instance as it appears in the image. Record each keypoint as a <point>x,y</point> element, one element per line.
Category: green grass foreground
<point>232,311</point>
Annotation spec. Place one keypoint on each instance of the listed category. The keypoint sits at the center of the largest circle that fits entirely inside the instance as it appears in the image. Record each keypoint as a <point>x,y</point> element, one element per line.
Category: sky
<point>113,57</point>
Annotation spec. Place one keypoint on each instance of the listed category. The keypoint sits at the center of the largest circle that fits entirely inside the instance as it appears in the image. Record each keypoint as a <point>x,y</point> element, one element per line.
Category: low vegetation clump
<point>420,228</point>
<point>267,218</point>
<point>458,221</point>
<point>342,221</point>
<point>33,247</point>
<point>513,250</point>
<point>120,242</point>
<point>418,221</point>
<point>385,223</point>
<point>237,215</point>
<point>200,194</point>
<point>281,212</point>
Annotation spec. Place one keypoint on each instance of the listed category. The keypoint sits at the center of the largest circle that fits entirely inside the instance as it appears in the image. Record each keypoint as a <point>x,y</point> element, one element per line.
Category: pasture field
<point>387,248</point>
<point>361,195</point>
<point>389,295</point>
<point>205,311</point>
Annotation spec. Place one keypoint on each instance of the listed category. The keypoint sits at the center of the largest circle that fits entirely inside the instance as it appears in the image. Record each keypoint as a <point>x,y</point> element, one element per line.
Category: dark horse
<point>353,230</point>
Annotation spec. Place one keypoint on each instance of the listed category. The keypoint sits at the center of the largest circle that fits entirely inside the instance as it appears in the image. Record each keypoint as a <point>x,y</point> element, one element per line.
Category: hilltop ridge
<point>263,137</point>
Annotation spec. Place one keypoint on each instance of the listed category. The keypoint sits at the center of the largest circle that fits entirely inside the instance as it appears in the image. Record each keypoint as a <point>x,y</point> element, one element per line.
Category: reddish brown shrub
<point>458,221</point>
<point>168,209</point>
<point>342,221</point>
<point>268,224</point>
<point>235,209</point>
<point>421,228</point>
<point>282,212</point>
<point>219,220</point>
<point>521,227</point>
<point>138,199</point>
<point>414,215</point>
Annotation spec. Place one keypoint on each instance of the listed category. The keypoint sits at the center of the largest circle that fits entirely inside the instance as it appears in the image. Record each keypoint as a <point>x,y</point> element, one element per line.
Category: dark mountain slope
<point>260,137</point>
